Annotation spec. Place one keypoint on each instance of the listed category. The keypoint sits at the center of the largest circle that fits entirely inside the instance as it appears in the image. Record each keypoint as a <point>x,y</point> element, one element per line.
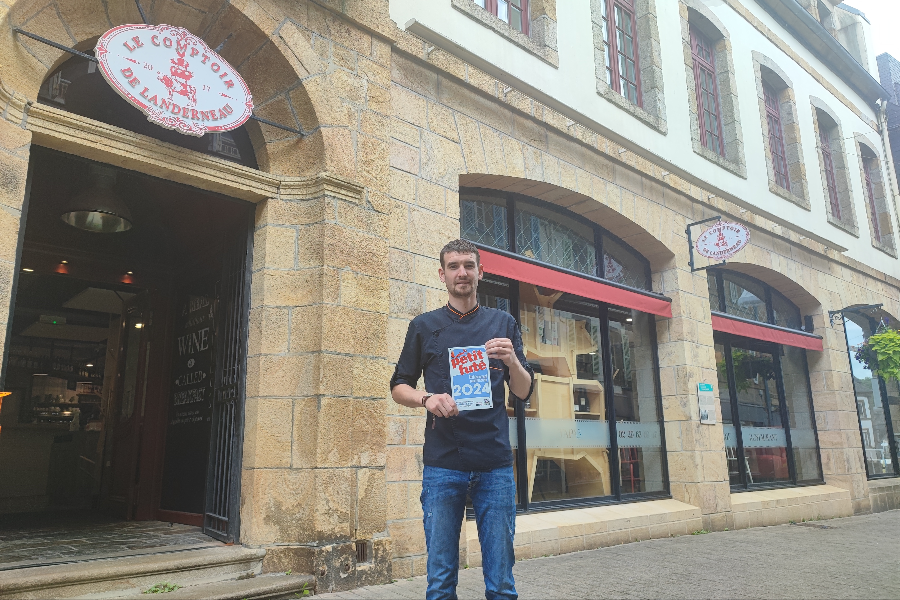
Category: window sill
<point>850,228</point>
<point>789,196</point>
<point>546,53</point>
<point>738,169</point>
<point>604,90</point>
<point>889,250</point>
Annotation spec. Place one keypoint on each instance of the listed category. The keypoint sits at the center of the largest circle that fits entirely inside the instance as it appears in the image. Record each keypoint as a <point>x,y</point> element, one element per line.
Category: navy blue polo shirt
<point>474,440</point>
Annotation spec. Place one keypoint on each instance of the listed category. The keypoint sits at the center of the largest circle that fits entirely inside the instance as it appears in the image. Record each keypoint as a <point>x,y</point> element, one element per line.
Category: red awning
<point>520,270</point>
<point>766,333</point>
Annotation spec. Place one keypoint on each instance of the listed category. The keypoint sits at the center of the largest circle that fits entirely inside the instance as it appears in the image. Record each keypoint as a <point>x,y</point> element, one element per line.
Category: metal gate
<point>222,513</point>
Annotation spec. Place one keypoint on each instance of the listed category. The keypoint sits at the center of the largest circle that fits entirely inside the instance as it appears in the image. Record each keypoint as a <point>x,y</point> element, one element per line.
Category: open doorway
<point>125,353</point>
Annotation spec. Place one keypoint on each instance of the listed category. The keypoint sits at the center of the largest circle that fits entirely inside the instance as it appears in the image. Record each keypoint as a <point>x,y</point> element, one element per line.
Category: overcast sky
<point>884,15</point>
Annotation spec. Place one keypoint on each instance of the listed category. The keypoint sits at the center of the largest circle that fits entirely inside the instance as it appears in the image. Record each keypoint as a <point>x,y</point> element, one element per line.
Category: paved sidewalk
<point>855,557</point>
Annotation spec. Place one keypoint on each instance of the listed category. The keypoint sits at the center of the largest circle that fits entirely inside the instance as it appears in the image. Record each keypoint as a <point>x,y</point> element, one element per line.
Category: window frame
<point>830,177</point>
<point>870,197</point>
<point>523,504</point>
<point>769,294</point>
<point>492,6</point>
<point>613,52</point>
<point>893,444</point>
<point>700,64</point>
<point>599,232</point>
<point>729,341</point>
<point>776,136</point>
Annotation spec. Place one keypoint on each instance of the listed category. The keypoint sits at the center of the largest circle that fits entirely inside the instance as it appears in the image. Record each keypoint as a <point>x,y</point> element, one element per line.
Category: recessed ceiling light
<point>27,270</point>
<point>65,262</point>
<point>138,325</point>
<point>89,365</point>
<point>129,272</point>
<point>628,320</point>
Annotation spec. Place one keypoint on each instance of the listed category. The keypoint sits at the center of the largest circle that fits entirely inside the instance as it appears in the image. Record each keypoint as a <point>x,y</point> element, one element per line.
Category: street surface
<point>855,557</point>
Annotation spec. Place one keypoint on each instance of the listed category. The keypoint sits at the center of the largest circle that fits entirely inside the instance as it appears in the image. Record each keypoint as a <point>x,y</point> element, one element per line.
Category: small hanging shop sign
<point>720,242</point>
<point>174,78</point>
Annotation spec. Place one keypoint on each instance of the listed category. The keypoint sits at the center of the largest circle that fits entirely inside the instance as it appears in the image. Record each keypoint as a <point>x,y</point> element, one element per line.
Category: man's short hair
<point>462,247</point>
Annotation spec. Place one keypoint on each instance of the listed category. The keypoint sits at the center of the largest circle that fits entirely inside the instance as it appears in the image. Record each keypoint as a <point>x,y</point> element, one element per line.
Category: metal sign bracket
<point>836,316</point>
<point>690,240</point>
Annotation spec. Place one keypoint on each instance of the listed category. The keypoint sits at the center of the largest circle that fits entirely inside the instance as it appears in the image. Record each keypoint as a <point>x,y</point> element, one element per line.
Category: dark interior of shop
<point>92,352</point>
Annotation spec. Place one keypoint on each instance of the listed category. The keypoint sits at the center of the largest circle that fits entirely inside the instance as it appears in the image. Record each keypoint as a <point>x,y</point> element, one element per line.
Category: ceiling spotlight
<point>89,365</point>
<point>27,270</point>
<point>98,209</point>
<point>138,325</point>
<point>629,320</point>
<point>65,262</point>
<point>129,272</point>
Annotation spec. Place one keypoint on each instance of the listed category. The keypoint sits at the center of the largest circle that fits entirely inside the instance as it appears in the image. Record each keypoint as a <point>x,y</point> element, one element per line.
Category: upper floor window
<point>548,234</point>
<point>830,179</point>
<point>870,197</point>
<point>776,137</point>
<point>742,296</point>
<point>708,111</point>
<point>620,41</point>
<point>514,12</point>
<point>876,194</point>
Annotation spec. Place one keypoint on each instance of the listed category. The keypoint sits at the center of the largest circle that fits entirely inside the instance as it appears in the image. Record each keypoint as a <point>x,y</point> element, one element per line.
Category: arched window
<point>764,389</point>
<point>551,235</point>
<point>77,87</point>
<point>591,430</point>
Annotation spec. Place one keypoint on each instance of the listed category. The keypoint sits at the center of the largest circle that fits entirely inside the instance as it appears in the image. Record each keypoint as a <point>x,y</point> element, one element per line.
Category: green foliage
<point>303,593</point>
<point>162,588</point>
<point>886,347</point>
<point>699,532</point>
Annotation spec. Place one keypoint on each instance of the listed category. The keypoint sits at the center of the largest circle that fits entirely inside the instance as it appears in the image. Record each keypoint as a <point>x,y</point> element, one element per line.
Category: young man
<point>467,448</point>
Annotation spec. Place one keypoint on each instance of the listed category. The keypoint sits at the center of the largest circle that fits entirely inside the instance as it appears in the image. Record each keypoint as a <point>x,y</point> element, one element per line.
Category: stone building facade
<point>402,105</point>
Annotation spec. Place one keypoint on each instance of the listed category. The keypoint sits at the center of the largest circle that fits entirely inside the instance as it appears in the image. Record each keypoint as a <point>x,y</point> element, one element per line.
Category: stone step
<point>99,578</point>
<point>275,587</point>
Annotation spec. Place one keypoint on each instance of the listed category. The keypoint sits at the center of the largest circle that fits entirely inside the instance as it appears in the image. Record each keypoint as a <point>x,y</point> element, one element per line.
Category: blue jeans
<point>443,499</point>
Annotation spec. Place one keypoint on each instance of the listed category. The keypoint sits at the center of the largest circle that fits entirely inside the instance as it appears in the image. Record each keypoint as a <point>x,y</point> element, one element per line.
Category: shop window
<point>483,221</point>
<point>513,12</point>
<point>875,194</point>
<point>877,401</point>
<point>741,296</point>
<point>550,235</point>
<point>764,389</point>
<point>592,428</point>
<point>596,398</point>
<point>767,415</point>
<point>77,87</point>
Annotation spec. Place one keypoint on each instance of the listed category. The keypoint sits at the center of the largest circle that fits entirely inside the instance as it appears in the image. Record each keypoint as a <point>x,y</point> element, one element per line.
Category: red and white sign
<point>722,241</point>
<point>174,78</point>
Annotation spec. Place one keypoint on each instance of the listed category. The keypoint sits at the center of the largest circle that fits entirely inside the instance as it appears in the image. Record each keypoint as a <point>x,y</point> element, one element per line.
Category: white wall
<point>574,84</point>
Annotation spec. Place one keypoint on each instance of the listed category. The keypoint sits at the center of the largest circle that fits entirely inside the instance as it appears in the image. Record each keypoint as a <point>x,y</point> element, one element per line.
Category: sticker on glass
<point>470,379</point>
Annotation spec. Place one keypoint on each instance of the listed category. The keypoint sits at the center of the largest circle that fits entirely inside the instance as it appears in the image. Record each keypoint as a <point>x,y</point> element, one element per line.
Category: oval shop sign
<point>722,241</point>
<point>174,78</point>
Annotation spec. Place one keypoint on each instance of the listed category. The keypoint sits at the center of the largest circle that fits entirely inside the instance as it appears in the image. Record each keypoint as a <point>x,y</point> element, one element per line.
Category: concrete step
<point>275,586</point>
<point>98,578</point>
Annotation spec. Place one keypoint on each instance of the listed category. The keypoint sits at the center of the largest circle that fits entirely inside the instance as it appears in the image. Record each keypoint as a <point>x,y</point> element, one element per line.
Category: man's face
<point>461,274</point>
